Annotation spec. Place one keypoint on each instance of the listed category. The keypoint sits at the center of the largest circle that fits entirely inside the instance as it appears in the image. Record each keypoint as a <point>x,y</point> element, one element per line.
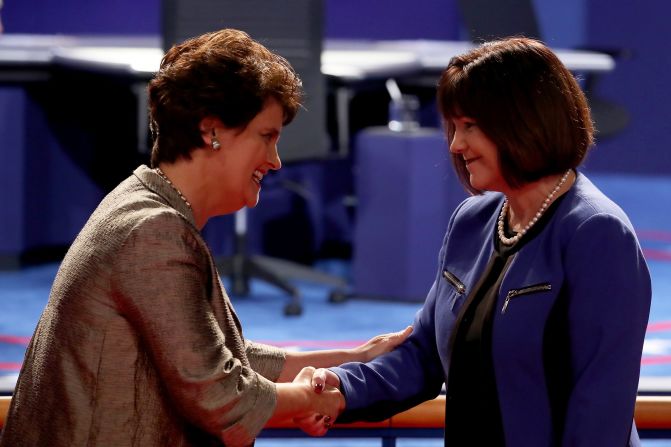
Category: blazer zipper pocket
<point>512,293</point>
<point>458,285</point>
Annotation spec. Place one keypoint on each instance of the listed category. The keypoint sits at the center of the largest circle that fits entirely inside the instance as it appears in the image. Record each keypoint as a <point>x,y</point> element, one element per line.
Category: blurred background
<point>72,126</point>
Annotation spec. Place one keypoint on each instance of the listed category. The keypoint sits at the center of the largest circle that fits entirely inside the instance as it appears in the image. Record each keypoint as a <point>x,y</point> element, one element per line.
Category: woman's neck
<point>525,202</point>
<point>189,180</point>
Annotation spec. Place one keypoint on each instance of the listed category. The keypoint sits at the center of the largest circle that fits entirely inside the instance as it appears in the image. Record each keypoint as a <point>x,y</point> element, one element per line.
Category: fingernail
<point>327,420</point>
<point>327,424</point>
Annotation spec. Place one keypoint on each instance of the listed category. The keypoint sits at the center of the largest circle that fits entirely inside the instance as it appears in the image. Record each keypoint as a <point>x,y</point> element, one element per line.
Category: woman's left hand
<point>314,424</point>
<point>381,344</point>
<point>327,358</point>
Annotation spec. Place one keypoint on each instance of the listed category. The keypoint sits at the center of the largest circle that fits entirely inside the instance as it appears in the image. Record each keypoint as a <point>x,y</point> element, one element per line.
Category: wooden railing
<point>653,416</point>
<point>652,413</point>
<point>4,408</point>
<point>427,420</point>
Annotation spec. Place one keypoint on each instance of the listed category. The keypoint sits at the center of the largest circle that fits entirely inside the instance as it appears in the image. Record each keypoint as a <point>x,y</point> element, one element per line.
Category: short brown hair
<point>224,74</point>
<point>525,100</point>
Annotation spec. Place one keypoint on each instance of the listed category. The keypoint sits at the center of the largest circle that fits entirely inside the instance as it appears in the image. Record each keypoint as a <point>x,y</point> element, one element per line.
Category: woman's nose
<point>274,158</point>
<point>457,144</point>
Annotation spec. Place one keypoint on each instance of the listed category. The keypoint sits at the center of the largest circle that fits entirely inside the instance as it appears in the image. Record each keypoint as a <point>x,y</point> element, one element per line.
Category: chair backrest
<point>492,19</point>
<point>294,30</point>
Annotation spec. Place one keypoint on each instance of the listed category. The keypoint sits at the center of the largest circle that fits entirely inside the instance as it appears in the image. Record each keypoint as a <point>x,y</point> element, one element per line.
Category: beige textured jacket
<point>139,344</point>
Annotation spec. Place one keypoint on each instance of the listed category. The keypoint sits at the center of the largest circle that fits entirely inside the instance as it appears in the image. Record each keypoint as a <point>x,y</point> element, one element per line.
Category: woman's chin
<point>252,201</point>
<point>480,183</point>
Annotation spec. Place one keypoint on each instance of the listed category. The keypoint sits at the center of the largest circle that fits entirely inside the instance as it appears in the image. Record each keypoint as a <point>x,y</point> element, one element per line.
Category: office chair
<point>492,19</point>
<point>241,267</point>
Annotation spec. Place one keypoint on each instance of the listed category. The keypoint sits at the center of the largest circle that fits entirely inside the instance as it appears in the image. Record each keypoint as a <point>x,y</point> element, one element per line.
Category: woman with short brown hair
<point>536,318</point>
<point>139,344</point>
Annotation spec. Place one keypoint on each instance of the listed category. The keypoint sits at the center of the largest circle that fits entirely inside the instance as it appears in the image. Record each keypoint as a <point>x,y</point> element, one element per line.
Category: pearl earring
<point>216,145</point>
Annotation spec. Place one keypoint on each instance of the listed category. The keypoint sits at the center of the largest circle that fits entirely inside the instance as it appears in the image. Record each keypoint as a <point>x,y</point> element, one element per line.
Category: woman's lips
<point>257,176</point>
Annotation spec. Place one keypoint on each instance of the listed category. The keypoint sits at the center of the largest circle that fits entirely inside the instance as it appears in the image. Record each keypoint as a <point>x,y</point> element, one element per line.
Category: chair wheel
<point>293,309</point>
<point>337,296</point>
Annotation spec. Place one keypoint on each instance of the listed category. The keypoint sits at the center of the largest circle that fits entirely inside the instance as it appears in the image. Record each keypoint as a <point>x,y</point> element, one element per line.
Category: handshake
<point>326,402</point>
<point>312,400</point>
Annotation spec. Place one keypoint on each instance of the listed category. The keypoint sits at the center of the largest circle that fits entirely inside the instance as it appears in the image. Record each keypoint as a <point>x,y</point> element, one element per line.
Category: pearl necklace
<point>504,210</point>
<point>167,180</point>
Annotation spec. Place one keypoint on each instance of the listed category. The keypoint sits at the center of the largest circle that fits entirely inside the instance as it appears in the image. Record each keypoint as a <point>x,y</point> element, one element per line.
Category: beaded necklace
<point>504,210</point>
<point>167,180</point>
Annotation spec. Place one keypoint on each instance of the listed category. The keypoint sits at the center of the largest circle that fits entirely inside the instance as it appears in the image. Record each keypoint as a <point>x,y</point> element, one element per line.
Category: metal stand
<point>242,267</point>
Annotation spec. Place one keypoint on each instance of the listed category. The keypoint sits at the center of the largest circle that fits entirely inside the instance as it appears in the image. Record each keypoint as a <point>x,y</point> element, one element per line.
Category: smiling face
<point>479,153</point>
<point>245,157</point>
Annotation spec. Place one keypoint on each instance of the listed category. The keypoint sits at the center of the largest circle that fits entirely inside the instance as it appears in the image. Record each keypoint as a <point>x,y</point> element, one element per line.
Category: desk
<point>51,182</point>
<point>343,60</point>
<point>353,60</point>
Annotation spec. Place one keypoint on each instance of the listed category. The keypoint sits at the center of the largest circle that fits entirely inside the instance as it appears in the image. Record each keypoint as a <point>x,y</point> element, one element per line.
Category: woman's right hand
<point>323,382</point>
<point>298,401</point>
<point>322,408</point>
<point>329,397</point>
<point>323,378</point>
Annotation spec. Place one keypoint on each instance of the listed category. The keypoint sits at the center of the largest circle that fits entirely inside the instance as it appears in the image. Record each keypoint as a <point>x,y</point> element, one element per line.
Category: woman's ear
<point>207,127</point>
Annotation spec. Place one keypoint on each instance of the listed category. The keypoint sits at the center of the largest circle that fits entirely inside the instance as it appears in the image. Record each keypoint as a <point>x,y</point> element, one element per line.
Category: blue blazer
<point>568,328</point>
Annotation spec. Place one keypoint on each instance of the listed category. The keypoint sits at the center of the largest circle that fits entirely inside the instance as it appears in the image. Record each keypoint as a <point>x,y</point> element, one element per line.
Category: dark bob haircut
<point>225,74</point>
<point>525,100</point>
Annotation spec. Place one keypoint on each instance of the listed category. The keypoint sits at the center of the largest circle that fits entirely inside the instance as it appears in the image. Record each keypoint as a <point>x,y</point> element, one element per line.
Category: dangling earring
<point>216,145</point>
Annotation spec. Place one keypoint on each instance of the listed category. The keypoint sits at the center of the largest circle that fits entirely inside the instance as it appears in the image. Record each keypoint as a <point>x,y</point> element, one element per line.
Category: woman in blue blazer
<point>535,321</point>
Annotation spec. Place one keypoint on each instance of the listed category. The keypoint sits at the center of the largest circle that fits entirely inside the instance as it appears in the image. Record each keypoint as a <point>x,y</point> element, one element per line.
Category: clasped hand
<point>325,400</point>
<point>324,383</point>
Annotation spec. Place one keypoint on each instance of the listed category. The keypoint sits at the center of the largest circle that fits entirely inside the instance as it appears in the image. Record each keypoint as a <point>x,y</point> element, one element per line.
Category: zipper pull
<point>526,290</point>
<point>458,285</point>
<point>509,295</point>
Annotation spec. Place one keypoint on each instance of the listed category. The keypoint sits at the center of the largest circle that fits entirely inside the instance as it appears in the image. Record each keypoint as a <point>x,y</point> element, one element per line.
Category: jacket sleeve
<point>402,378</point>
<point>406,376</point>
<point>161,286</point>
<point>609,295</point>
<point>395,381</point>
<point>265,359</point>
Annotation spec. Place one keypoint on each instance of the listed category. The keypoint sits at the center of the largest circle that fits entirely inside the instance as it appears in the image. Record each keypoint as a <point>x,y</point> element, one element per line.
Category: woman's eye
<point>469,124</point>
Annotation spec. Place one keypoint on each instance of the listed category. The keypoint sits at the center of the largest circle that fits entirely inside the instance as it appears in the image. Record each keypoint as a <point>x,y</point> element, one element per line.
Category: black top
<point>473,416</point>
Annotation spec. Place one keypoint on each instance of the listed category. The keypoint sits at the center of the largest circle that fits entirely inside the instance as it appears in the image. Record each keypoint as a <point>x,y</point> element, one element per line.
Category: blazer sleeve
<point>400,379</point>
<point>397,380</point>
<point>265,359</point>
<point>161,286</point>
<point>406,376</point>
<point>609,295</point>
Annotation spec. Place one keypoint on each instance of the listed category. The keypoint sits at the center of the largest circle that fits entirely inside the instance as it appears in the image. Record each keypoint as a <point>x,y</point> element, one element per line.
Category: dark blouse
<point>473,416</point>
